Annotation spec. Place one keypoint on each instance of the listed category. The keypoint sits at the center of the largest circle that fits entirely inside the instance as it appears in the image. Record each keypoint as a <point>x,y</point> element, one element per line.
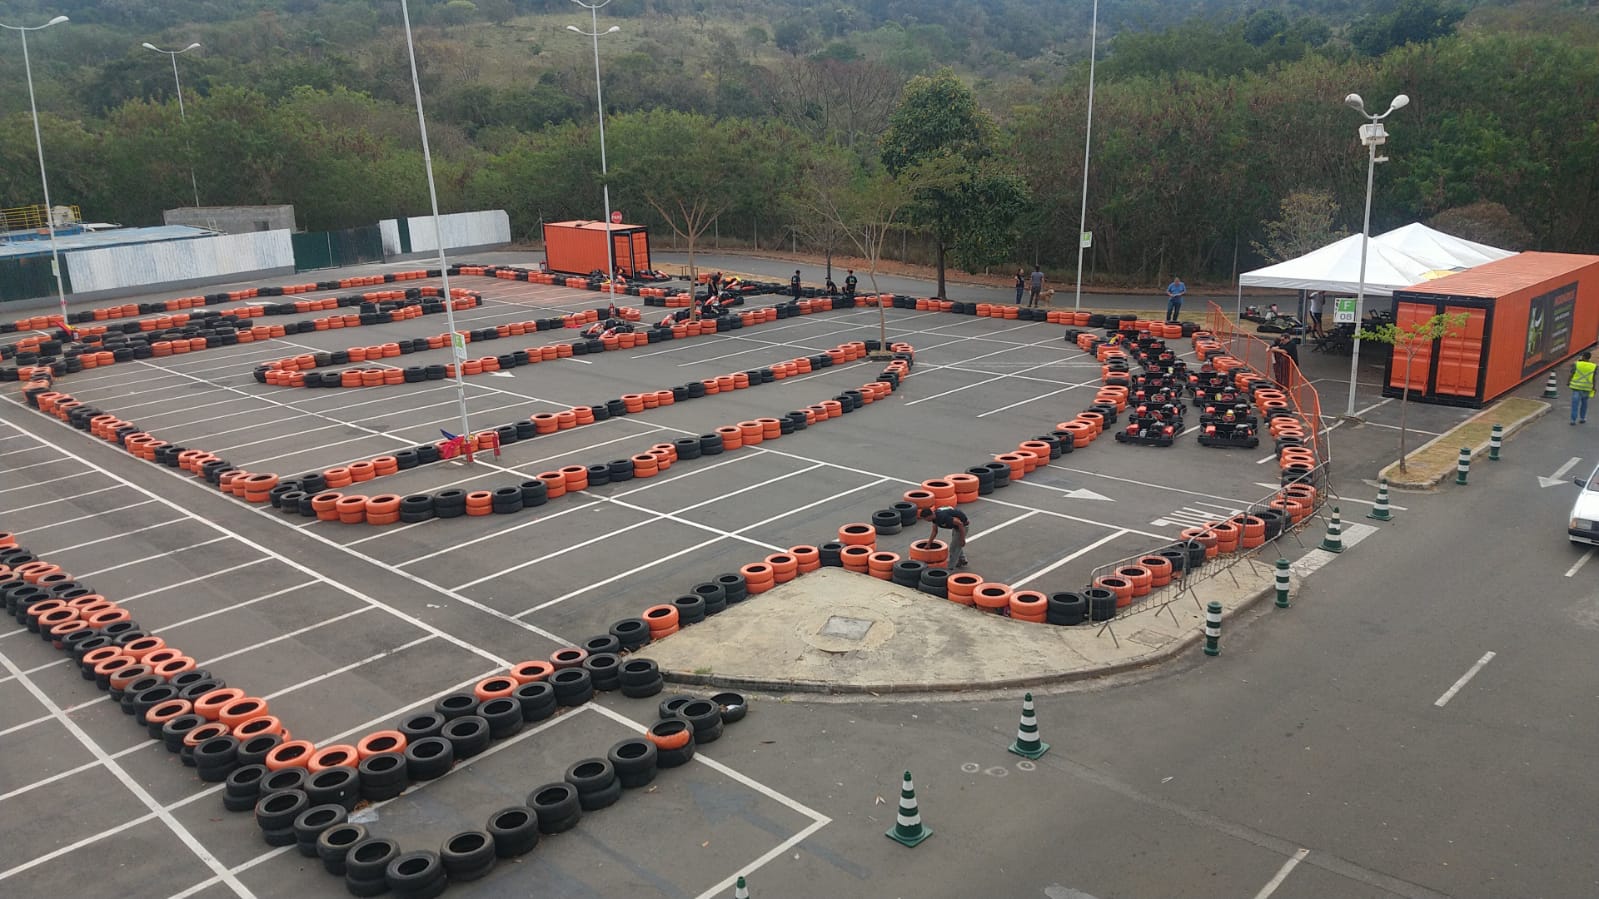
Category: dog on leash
<point>1046,299</point>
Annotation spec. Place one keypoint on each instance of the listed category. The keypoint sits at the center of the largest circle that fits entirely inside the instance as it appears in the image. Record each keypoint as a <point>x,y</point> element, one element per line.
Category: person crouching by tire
<point>953,520</point>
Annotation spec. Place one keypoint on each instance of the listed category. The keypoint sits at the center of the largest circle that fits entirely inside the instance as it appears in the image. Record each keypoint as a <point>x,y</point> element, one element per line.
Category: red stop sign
<point>616,217</point>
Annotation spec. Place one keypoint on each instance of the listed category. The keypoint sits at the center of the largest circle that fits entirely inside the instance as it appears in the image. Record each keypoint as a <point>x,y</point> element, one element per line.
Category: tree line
<point>1189,167</point>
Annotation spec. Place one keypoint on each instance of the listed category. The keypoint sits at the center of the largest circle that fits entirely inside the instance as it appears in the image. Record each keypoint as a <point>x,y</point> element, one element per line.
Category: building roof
<point>34,245</point>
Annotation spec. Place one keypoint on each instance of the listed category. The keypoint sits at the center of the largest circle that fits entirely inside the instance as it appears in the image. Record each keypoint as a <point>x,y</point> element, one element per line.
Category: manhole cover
<point>846,628</point>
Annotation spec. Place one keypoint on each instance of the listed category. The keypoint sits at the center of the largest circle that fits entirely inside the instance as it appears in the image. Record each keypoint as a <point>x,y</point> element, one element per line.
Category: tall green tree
<point>965,195</point>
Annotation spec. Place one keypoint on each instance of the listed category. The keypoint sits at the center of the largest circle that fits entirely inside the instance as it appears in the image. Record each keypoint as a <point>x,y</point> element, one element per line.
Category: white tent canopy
<point>1395,260</point>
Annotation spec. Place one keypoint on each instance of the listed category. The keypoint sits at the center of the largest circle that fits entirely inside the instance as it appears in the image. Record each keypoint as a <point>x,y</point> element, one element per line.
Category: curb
<point>1154,657</point>
<point>1430,481</point>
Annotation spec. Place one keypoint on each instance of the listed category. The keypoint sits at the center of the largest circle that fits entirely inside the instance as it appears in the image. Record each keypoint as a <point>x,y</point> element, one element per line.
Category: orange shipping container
<point>1525,314</point>
<point>578,248</point>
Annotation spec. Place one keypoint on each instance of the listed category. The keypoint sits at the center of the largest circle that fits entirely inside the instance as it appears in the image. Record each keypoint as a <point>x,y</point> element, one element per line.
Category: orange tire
<point>934,552</point>
<point>259,726</point>
<point>1028,605</point>
<point>535,670</point>
<point>335,756</point>
<point>1160,570</point>
<point>806,558</point>
<point>204,732</point>
<point>495,687</point>
<point>881,565</point>
<point>1139,576</point>
<point>381,741</point>
<point>854,557</point>
<point>784,567</point>
<point>241,710</point>
<point>991,597</point>
<point>1122,587</point>
<point>209,705</point>
<point>672,733</point>
<point>292,754</point>
<point>857,535</point>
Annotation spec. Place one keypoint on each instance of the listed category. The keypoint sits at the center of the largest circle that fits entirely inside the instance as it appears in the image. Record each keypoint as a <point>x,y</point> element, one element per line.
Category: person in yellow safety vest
<point>1582,372</point>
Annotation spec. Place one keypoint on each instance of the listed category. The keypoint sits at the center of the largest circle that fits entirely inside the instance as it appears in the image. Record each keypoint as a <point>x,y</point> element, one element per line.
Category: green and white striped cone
<point>1463,465</point>
<point>740,891</point>
<point>1496,440</point>
<point>1334,541</point>
<point>1027,743</point>
<point>1283,583</point>
<point>908,829</point>
<point>1551,388</point>
<point>1379,510</point>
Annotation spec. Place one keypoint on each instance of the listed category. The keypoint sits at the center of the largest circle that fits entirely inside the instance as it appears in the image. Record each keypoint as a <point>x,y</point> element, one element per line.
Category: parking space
<point>344,628</point>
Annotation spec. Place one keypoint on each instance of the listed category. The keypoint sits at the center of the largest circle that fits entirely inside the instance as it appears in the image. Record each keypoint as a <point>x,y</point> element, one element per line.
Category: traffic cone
<point>1027,743</point>
<point>1334,541</point>
<point>740,891</point>
<point>908,829</point>
<point>1551,388</point>
<point>1379,510</point>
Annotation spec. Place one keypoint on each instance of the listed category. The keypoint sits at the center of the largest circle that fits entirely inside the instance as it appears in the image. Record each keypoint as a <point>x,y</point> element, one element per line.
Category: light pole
<point>1373,136</point>
<point>1088,133</point>
<point>599,99</point>
<point>38,142</point>
<point>457,343</point>
<point>181,114</point>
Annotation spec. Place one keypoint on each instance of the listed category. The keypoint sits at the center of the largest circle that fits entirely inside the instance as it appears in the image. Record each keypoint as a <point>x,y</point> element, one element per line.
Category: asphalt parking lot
<point>344,629</point>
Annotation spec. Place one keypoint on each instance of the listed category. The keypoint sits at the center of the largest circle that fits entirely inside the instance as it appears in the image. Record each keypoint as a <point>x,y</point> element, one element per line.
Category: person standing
<point>1021,284</point>
<point>1283,351</point>
<point>1313,304</point>
<point>849,285</point>
<point>1038,286</point>
<point>953,520</point>
<point>1582,373</point>
<point>1174,298</point>
<point>794,285</point>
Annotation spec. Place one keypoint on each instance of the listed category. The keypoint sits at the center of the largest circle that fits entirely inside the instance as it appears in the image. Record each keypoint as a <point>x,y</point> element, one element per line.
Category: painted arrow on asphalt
<point>1559,477</point>
<point>1088,494</point>
<point>502,374</point>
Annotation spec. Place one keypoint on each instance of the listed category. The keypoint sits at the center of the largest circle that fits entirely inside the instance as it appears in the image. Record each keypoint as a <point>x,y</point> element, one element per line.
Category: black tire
<point>601,644</point>
<point>733,706</point>
<point>456,705</point>
<point>537,699</point>
<point>416,727</point>
<point>335,842</point>
<point>637,672</point>
<point>631,632</point>
<point>428,758</point>
<point>669,706</point>
<point>573,686</point>
<point>216,758</point>
<point>244,784</point>
<point>468,736</point>
<point>593,802</point>
<point>644,691</point>
<point>675,758</point>
<point>504,716</point>
<point>515,831</point>
<point>311,822</point>
<point>604,670</point>
<point>634,760</point>
<point>417,874</point>
<point>284,779</point>
<point>276,811</point>
<point>468,855</point>
<point>281,837</point>
<point>908,572</point>
<point>705,717</point>
<point>367,860</point>
<point>690,608</point>
<point>556,806</point>
<point>886,521</point>
<point>340,785</point>
<point>382,769</point>
<point>733,587</point>
<point>590,776</point>
<point>254,750</point>
<point>1066,609</point>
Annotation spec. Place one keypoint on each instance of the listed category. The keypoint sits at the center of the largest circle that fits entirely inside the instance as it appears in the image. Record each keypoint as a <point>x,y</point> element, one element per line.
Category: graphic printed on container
<point>1549,328</point>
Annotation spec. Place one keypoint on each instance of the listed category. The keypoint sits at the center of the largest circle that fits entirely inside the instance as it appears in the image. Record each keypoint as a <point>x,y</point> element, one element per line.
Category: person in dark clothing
<point>832,289</point>
<point>849,285</point>
<point>1021,285</point>
<point>794,285</point>
<point>1284,351</point>
<point>953,520</point>
<point>1038,286</point>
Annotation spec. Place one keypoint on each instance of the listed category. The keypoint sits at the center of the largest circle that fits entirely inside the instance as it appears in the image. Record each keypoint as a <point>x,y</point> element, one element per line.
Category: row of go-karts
<point>1155,398</point>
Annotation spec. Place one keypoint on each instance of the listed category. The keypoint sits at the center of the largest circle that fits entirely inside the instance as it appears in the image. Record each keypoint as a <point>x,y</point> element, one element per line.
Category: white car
<point>1584,524</point>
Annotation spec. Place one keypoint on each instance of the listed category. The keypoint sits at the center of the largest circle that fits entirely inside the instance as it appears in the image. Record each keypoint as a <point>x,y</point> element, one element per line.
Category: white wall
<point>109,268</point>
<point>488,228</point>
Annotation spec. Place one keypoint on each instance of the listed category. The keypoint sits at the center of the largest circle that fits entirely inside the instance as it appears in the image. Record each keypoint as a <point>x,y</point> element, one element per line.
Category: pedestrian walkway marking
<point>1313,560</point>
<point>1464,679</point>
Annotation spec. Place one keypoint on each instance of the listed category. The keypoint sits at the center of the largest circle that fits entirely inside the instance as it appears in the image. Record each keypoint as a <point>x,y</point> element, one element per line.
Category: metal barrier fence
<point>1160,598</point>
<point>1260,356</point>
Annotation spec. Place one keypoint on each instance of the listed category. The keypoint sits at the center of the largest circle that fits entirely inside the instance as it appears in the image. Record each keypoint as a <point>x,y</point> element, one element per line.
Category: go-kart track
<point>341,629</point>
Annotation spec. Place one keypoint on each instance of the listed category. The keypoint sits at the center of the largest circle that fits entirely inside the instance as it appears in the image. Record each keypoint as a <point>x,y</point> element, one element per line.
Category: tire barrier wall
<point>1260,357</point>
<point>319,494</point>
<point>302,794</point>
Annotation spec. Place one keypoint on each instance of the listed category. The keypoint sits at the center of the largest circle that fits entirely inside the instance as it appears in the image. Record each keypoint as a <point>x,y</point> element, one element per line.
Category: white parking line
<point>1282,874</point>
<point>34,529</point>
<point>65,549</point>
<point>1114,535</point>
<point>132,785</point>
<point>155,558</point>
<point>1449,694</point>
<point>1577,565</point>
<point>61,499</point>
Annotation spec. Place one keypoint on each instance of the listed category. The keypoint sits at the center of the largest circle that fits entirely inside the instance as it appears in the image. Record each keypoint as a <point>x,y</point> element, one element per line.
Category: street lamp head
<point>574,29</point>
<point>149,46</point>
<point>56,21</point>
<point>1400,102</point>
<point>1354,102</point>
<point>193,46</point>
<point>615,28</point>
